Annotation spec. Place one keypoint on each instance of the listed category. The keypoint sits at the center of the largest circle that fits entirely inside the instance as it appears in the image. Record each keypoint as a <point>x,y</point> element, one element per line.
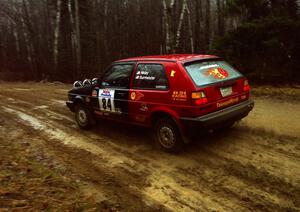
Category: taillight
<point>246,85</point>
<point>199,98</point>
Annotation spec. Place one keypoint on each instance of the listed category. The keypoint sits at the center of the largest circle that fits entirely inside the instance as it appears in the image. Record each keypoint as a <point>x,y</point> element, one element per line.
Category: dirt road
<point>255,166</point>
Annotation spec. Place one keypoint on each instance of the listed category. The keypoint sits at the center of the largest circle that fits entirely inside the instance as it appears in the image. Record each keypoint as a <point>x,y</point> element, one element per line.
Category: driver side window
<point>118,76</point>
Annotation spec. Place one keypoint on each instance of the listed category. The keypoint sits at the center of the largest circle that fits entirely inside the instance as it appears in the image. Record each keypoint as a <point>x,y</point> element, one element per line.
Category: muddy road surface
<point>255,166</point>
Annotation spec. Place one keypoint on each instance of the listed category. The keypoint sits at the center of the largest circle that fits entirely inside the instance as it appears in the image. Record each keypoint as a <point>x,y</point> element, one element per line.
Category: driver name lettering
<point>144,75</point>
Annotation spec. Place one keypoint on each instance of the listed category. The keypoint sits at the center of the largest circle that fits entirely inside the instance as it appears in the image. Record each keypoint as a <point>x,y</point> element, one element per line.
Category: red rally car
<point>175,95</point>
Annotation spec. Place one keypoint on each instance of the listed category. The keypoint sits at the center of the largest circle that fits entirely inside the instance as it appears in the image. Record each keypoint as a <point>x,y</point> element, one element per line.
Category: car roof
<point>171,58</point>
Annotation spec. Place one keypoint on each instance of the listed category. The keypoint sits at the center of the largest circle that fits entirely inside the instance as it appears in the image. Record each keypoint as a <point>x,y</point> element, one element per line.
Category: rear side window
<point>150,76</point>
<point>204,73</point>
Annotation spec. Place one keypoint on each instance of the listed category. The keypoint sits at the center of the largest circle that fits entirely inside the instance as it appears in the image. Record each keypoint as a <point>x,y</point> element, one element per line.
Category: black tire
<point>167,135</point>
<point>83,117</point>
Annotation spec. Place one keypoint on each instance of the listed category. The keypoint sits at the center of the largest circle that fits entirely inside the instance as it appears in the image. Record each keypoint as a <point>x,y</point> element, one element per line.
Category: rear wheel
<point>83,117</point>
<point>167,135</point>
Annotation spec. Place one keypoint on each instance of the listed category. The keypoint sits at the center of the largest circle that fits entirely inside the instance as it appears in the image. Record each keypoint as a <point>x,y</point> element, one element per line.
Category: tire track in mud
<point>251,185</point>
<point>274,163</point>
<point>189,200</point>
<point>156,177</point>
<point>163,183</point>
<point>176,181</point>
<point>110,189</point>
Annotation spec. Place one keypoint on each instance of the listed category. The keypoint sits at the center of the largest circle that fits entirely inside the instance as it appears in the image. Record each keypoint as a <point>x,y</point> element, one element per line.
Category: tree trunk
<point>190,28</point>
<point>167,27</point>
<point>27,43</point>
<point>78,43</point>
<point>73,34</point>
<point>199,27</point>
<point>220,17</point>
<point>207,25</point>
<point>56,34</point>
<point>180,23</point>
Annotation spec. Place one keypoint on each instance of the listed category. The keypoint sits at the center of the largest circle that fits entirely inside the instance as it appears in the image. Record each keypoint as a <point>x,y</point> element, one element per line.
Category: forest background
<point>66,40</point>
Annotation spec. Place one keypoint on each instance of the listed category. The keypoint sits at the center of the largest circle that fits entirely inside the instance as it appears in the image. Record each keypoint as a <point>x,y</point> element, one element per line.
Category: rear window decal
<point>217,73</point>
<point>208,72</point>
<point>209,66</point>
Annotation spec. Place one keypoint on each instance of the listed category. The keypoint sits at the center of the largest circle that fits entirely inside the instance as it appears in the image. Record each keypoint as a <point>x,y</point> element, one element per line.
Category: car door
<point>114,91</point>
<point>150,88</point>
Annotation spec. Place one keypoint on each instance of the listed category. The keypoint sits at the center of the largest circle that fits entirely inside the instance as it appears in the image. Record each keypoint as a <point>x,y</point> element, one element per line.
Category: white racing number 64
<point>106,100</point>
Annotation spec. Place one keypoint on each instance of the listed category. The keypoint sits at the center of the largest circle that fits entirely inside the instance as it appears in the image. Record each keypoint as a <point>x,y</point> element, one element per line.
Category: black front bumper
<point>219,118</point>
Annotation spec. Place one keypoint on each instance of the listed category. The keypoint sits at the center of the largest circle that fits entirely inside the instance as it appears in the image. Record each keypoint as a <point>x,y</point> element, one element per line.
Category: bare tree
<point>56,33</point>
<point>83,37</point>
<point>77,40</point>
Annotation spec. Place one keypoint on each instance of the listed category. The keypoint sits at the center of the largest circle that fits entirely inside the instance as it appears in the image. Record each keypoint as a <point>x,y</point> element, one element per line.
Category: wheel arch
<point>78,100</point>
<point>160,113</point>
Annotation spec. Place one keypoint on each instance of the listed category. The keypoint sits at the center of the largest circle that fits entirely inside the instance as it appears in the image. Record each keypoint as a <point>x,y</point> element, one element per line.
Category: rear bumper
<point>71,105</point>
<point>216,119</point>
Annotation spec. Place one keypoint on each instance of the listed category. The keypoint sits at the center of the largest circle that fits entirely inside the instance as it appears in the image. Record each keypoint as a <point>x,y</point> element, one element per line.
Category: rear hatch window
<point>208,72</point>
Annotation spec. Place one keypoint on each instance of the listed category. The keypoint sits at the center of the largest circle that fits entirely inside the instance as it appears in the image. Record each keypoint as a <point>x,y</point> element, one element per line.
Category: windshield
<point>204,73</point>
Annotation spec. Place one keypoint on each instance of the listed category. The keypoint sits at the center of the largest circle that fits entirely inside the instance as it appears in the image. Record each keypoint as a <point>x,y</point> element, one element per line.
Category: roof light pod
<point>77,84</point>
<point>87,82</point>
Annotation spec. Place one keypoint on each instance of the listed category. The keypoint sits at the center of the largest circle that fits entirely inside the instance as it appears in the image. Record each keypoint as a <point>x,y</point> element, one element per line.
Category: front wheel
<point>167,135</point>
<point>83,117</point>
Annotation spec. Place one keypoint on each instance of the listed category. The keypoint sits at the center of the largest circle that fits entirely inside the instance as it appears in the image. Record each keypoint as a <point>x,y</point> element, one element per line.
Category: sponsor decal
<point>106,93</point>
<point>228,102</point>
<point>94,93</point>
<point>179,96</point>
<point>144,108</point>
<point>209,66</point>
<point>217,73</point>
<point>173,73</point>
<point>145,78</point>
<point>133,96</point>
<point>136,95</point>
<point>140,118</point>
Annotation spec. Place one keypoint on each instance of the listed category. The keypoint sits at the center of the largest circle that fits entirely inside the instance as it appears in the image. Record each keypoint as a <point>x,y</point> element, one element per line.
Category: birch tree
<point>167,26</point>
<point>56,34</point>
